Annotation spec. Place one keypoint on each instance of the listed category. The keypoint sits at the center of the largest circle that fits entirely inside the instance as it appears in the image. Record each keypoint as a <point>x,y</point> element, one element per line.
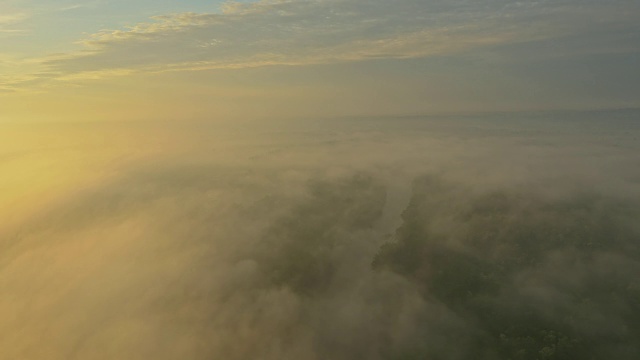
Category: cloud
<point>503,235</point>
<point>9,19</point>
<point>84,5</point>
<point>20,74</point>
<point>526,271</point>
<point>267,33</point>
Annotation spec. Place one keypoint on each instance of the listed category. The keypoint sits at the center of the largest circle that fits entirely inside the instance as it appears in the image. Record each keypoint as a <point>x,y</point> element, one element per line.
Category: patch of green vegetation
<point>538,279</point>
<point>301,245</point>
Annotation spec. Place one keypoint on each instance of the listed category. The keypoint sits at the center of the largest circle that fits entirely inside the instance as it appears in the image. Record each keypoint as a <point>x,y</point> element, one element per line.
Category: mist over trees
<point>519,274</point>
<point>535,278</point>
<point>300,247</point>
<point>377,239</point>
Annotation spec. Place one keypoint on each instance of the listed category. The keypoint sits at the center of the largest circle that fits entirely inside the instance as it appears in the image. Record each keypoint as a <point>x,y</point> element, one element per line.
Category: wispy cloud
<point>294,32</point>
<point>9,19</point>
<point>84,5</point>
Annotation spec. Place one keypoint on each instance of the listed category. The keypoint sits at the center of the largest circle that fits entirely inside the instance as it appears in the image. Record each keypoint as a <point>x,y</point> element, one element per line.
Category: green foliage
<point>301,245</point>
<point>539,279</point>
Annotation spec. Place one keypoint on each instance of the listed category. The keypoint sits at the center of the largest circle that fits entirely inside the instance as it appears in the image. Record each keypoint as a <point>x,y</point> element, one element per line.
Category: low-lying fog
<point>510,236</point>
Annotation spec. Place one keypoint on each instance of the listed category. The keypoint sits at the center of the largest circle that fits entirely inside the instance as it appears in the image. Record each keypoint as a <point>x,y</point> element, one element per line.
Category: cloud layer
<point>326,31</point>
<point>360,238</point>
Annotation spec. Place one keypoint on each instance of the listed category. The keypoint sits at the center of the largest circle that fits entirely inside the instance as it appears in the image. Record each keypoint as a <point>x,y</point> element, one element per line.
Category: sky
<point>214,60</point>
<point>319,179</point>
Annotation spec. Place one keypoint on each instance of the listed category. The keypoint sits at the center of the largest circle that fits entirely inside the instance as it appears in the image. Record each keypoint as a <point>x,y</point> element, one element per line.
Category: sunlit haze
<point>319,180</point>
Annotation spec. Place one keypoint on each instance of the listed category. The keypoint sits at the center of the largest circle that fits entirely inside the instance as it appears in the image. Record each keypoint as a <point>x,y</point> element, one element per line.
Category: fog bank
<point>505,236</point>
